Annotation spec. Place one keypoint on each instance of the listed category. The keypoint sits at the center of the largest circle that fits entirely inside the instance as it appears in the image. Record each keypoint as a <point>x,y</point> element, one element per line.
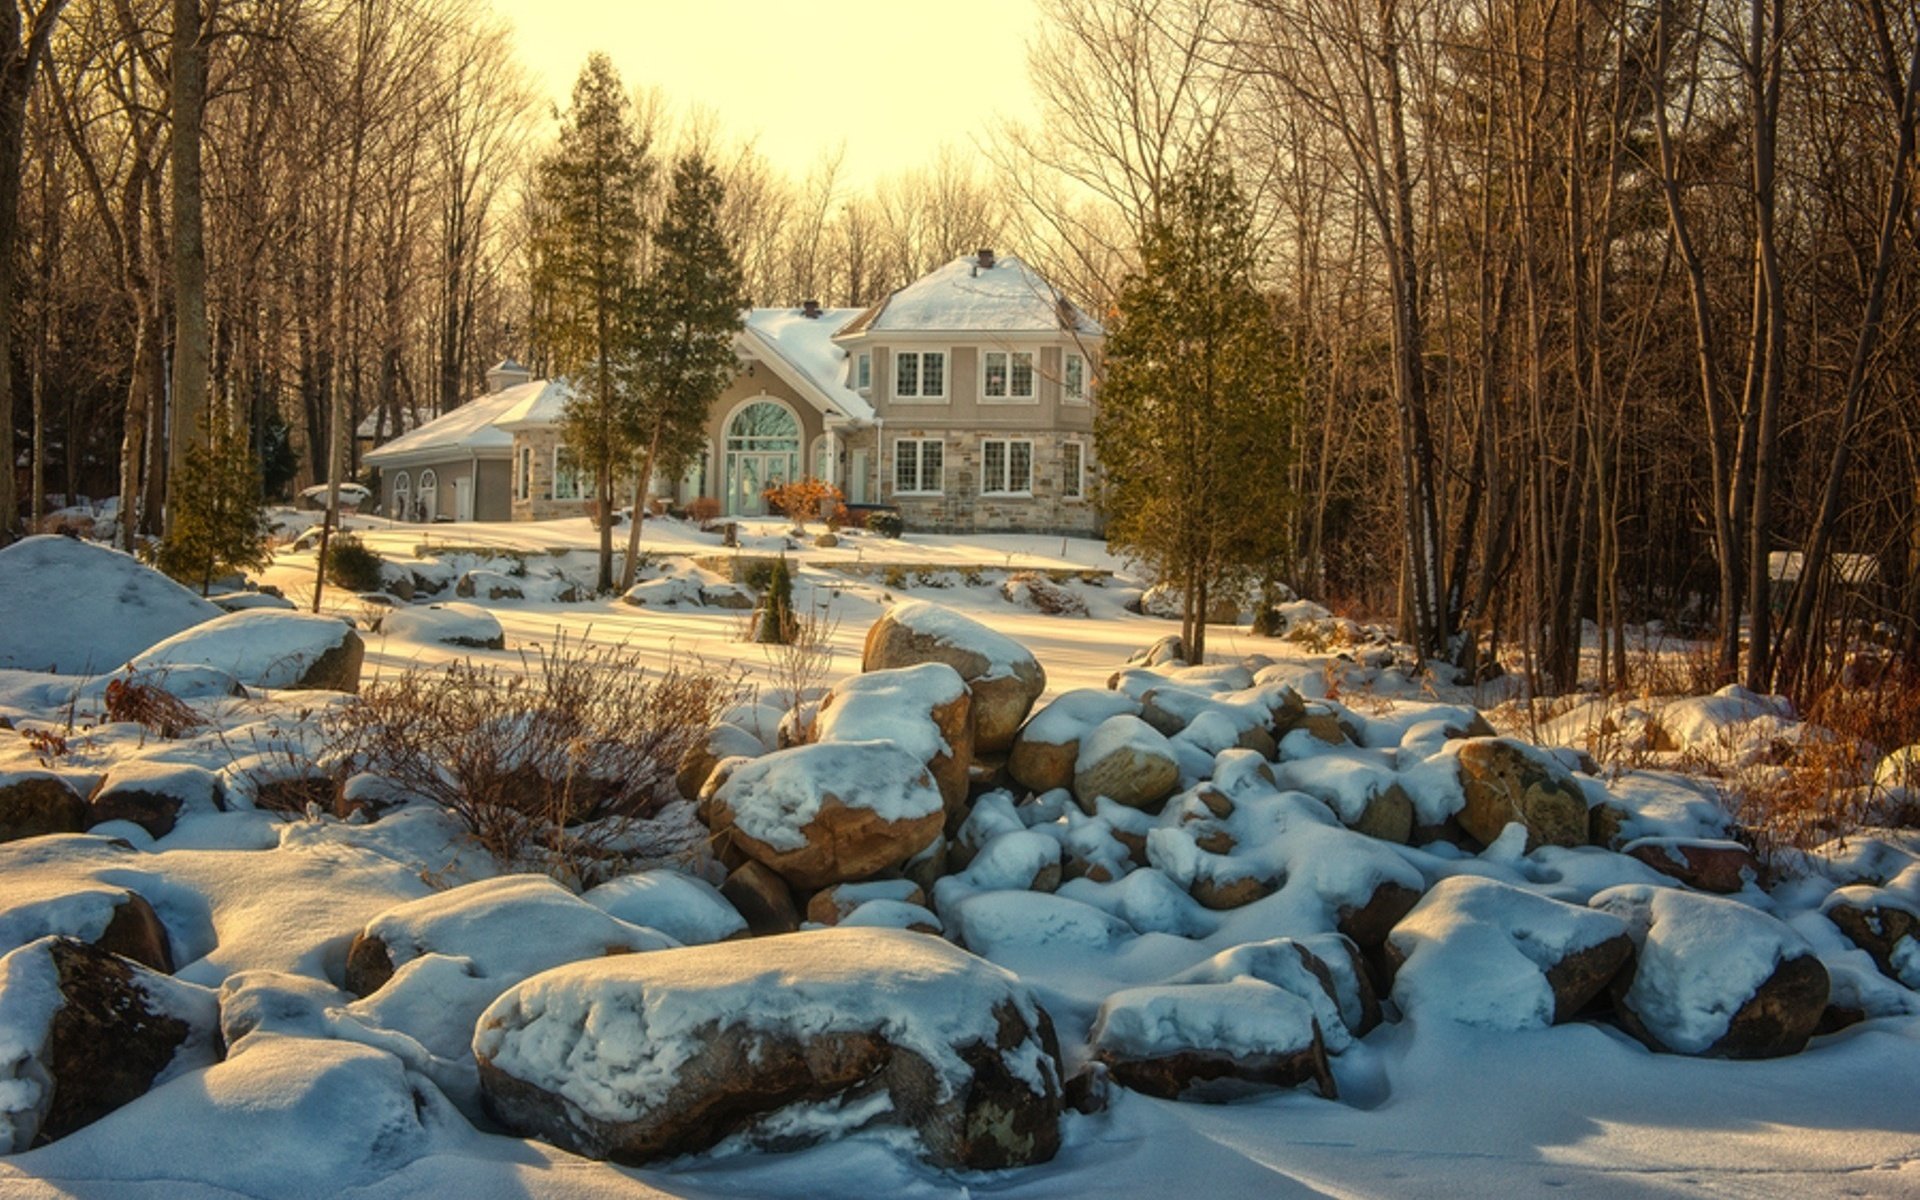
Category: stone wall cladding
<point>962,509</point>
<point>540,504</point>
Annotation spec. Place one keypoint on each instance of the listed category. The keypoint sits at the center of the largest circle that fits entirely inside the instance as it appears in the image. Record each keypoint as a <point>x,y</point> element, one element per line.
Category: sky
<point>891,80</point>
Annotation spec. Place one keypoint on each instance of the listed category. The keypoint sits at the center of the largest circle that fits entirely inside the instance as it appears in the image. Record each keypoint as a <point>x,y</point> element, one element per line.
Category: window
<point>1073,471</point>
<point>920,375</point>
<point>863,374</point>
<point>1006,374</point>
<point>402,497</point>
<point>427,506</point>
<point>566,475</point>
<point>1006,467</point>
<point>826,458</point>
<point>523,473</point>
<point>918,466</point>
<point>1073,379</point>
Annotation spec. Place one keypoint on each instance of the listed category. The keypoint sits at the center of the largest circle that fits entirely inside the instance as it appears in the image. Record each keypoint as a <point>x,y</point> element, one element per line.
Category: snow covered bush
<point>553,767</point>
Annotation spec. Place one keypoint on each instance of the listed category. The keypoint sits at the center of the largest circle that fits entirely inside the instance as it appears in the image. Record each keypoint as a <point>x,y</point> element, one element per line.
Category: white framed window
<point>919,466</point>
<point>863,373</point>
<point>826,458</point>
<point>1073,471</point>
<point>920,375</point>
<point>1073,378</point>
<point>566,475</point>
<point>1006,467</point>
<point>429,502</point>
<point>402,497</point>
<point>523,473</point>
<point>1007,375</point>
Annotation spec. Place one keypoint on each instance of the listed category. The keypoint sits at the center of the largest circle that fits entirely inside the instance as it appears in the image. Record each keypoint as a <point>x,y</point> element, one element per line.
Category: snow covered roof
<point>801,349</point>
<point>471,428</point>
<point>1003,296</point>
<point>369,426</point>
<point>541,405</point>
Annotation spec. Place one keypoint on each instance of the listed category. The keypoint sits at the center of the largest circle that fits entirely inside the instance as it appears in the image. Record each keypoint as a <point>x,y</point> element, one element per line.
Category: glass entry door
<point>763,451</point>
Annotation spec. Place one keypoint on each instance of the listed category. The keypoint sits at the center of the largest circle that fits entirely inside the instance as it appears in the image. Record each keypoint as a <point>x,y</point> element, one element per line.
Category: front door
<point>857,477</point>
<point>462,498</point>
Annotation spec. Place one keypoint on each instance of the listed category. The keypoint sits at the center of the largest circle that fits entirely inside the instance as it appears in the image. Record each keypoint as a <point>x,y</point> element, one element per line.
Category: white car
<point>353,497</point>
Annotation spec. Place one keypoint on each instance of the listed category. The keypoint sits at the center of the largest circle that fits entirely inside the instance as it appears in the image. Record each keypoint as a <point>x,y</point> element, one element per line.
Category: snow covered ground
<point>322,1094</point>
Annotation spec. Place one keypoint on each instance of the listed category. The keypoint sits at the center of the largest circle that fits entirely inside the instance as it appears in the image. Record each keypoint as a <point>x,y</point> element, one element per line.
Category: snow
<point>892,706</point>
<point>612,1036</point>
<point>29,998</point>
<point>1242,1018</point>
<point>1122,734</point>
<point>75,608</point>
<point>1477,952</point>
<point>804,346</point>
<point>1698,958</point>
<point>688,910</point>
<point>449,624</point>
<point>474,426</point>
<point>260,648</point>
<point>1069,716</point>
<point>944,624</point>
<point>773,798</point>
<point>1008,297</point>
<point>992,923</point>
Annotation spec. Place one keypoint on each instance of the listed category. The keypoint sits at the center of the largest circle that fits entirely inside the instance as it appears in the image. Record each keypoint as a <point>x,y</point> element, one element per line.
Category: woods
<point>1598,314</point>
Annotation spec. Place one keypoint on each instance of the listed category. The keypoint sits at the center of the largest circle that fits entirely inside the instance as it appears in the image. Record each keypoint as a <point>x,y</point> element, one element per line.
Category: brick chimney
<point>810,309</point>
<point>984,257</point>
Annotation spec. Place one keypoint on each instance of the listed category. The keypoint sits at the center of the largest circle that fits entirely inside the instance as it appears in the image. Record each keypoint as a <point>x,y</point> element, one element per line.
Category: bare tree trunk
<point>632,566</point>
<point>191,348</point>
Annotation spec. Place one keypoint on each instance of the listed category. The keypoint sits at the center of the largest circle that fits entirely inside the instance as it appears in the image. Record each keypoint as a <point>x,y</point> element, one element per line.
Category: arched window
<point>429,496</point>
<point>763,426</point>
<point>762,451</point>
<point>402,497</point>
<point>826,458</point>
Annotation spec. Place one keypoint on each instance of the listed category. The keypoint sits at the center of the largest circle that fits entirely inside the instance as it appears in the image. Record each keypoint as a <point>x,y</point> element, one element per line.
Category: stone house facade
<point>964,400</point>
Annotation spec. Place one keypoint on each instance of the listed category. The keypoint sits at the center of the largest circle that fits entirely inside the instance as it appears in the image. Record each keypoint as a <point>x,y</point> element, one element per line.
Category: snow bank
<point>74,608</point>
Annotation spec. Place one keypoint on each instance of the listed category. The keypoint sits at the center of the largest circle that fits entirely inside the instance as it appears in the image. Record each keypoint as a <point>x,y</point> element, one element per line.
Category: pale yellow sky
<point>891,79</point>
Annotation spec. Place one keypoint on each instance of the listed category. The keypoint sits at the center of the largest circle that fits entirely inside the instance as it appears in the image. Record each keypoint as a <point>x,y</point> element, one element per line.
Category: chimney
<point>984,256</point>
<point>810,309</point>
<point>505,374</point>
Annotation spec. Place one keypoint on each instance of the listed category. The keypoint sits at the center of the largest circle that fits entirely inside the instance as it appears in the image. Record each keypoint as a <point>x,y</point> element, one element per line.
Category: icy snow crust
<point>613,1036</point>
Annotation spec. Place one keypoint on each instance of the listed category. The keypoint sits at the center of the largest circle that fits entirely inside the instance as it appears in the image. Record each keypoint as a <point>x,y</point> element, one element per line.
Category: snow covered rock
<point>1712,865</point>
<point>1884,922</point>
<point>1367,797</point>
<point>722,741</point>
<point>830,906</point>
<point>762,898</point>
<point>1499,957</point>
<point>1210,1041</point>
<point>925,710</point>
<point>794,1038</point>
<point>1165,601</point>
<point>74,608</point>
<point>996,923</point>
<point>1505,781</point>
<point>154,795</point>
<point>1713,976</point>
<point>505,929</point>
<point>1047,746</point>
<point>488,585</point>
<point>829,813</point>
<point>84,1031</point>
<point>267,648</point>
<point>1004,677</point>
<point>449,624</point>
<point>1128,761</point>
<point>35,803</point>
<point>1325,970</point>
<point>1031,589</point>
<point>688,910</point>
<point>113,918</point>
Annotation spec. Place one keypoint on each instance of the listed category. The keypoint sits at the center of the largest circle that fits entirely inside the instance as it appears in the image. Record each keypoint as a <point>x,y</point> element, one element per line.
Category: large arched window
<point>402,497</point>
<point>763,451</point>
<point>429,495</point>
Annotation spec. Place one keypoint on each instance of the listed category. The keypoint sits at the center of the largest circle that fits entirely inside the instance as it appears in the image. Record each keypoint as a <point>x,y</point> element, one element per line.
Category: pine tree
<point>776,623</point>
<point>688,313</point>
<point>1194,403</point>
<point>586,257</point>
<point>219,521</point>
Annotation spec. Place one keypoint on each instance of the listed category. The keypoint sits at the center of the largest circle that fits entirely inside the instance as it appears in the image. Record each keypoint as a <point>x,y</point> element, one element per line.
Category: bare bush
<point>129,699</point>
<point>553,768</point>
<point>800,661</point>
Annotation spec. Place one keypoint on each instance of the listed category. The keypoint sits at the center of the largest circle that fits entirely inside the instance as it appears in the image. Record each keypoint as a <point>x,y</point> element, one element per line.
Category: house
<point>964,400</point>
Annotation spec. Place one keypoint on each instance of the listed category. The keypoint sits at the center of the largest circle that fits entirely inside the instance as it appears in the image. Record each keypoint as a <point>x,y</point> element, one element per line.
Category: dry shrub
<point>803,499</point>
<point>149,707</point>
<point>553,768</point>
<point>703,508</point>
<point>799,663</point>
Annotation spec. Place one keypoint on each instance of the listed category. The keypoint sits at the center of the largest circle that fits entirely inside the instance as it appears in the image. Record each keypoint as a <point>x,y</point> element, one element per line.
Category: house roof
<point>369,426</point>
<point>963,296</point>
<point>801,350</point>
<point>542,405</point>
<point>471,428</point>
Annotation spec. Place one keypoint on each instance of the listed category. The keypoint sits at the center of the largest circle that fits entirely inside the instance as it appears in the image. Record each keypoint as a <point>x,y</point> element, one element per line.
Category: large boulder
<point>644,1058</point>
<point>154,795</point>
<point>1713,976</point>
<point>1506,781</point>
<point>448,624</point>
<point>1048,745</point>
<point>721,742</point>
<point>924,710</point>
<point>690,911</point>
<point>35,803</point>
<point>1210,1041</point>
<point>1710,864</point>
<point>84,1031</point>
<point>266,648</point>
<point>828,813</point>
<point>1004,677</point>
<point>1884,922</point>
<point>1129,762</point>
<point>1326,970</point>
<point>75,608</point>
<point>101,914</point>
<point>1499,957</point>
<point>489,585</point>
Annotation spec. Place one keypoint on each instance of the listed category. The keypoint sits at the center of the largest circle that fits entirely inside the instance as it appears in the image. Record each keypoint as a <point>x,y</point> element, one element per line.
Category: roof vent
<point>984,256</point>
<point>810,309</point>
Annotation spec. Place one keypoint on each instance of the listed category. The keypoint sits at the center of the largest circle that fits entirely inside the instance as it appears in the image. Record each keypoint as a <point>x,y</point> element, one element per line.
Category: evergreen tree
<point>776,622</point>
<point>585,259</point>
<point>1194,402</point>
<point>219,522</point>
<point>688,313</point>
